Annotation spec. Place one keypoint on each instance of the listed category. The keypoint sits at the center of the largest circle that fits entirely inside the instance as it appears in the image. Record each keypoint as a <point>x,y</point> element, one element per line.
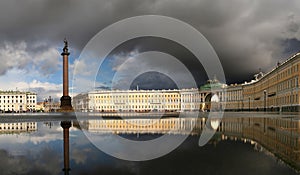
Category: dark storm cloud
<point>153,80</point>
<point>247,35</point>
<point>290,46</point>
<point>52,20</point>
<point>157,80</point>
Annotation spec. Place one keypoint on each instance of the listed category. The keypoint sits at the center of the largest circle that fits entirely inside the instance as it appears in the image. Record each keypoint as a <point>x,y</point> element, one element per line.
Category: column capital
<point>65,53</point>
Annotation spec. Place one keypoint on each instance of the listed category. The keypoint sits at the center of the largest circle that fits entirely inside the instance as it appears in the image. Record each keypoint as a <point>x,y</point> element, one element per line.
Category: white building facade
<point>190,99</point>
<point>16,101</point>
<point>128,101</point>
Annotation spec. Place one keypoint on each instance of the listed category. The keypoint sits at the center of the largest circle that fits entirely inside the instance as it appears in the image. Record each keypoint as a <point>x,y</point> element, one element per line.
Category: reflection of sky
<point>105,72</point>
<point>41,152</point>
<point>32,153</point>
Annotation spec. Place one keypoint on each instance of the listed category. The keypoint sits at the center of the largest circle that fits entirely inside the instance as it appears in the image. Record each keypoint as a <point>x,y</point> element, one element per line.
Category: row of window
<point>19,124</point>
<point>31,97</point>
<point>28,127</point>
<point>138,107</point>
<point>288,99</point>
<point>10,96</point>
<point>155,126</point>
<point>134,122</point>
<point>282,75</point>
<point>12,101</point>
<point>16,101</point>
<point>137,101</point>
<point>16,96</point>
<point>291,83</point>
<point>288,72</point>
<point>136,96</point>
<point>234,95</point>
<point>188,106</point>
<point>193,100</point>
<point>12,106</point>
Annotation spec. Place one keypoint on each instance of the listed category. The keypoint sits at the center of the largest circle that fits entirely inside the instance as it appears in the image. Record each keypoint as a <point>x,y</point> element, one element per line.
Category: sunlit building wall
<point>190,100</point>
<point>234,97</point>
<point>16,101</point>
<point>128,101</point>
<point>30,101</point>
<point>278,90</point>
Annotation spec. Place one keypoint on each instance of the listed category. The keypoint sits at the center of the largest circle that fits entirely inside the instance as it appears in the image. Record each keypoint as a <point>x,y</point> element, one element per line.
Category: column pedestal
<point>65,104</point>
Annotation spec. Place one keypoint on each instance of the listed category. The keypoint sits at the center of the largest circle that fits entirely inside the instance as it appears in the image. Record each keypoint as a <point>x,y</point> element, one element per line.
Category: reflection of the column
<point>66,125</point>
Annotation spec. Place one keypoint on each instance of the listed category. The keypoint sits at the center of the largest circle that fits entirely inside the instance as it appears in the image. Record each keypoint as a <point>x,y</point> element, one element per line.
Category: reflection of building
<point>278,90</point>
<point>16,101</point>
<point>281,136</point>
<point>161,126</point>
<point>12,128</point>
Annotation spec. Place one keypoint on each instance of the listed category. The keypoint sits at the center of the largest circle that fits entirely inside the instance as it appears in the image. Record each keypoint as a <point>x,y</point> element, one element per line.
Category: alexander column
<point>65,100</point>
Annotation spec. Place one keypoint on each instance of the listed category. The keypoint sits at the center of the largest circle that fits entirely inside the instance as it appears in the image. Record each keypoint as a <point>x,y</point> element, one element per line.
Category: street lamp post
<point>265,100</point>
<point>50,102</point>
<point>249,102</point>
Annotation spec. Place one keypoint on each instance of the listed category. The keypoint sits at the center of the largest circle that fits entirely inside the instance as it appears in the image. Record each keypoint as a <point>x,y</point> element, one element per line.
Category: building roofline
<point>291,58</point>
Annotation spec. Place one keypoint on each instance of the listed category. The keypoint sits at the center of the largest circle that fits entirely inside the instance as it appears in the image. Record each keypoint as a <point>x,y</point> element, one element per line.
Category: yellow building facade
<point>278,90</point>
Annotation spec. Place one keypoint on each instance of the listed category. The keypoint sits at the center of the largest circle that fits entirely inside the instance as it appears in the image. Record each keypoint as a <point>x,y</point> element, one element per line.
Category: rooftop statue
<point>65,49</point>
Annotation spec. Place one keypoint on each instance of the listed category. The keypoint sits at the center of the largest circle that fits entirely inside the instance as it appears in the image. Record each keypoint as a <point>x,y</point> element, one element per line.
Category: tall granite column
<point>65,100</point>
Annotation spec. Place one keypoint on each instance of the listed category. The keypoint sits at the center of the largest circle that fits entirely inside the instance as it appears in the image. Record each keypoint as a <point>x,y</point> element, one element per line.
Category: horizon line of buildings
<point>277,90</point>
